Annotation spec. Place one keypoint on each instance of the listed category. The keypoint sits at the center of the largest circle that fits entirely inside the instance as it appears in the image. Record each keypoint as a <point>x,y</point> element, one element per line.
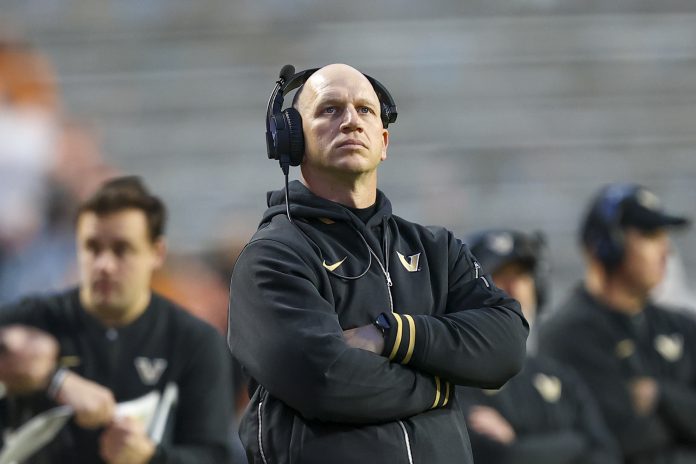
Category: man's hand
<point>644,394</point>
<point>367,337</point>
<point>487,421</point>
<point>93,404</point>
<point>125,442</point>
<point>27,358</point>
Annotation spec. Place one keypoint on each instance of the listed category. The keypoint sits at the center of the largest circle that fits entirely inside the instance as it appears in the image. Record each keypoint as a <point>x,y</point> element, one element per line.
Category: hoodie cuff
<point>400,338</point>
<point>443,391</point>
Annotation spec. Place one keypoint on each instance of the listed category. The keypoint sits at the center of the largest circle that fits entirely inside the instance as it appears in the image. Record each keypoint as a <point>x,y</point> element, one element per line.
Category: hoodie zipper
<point>385,271</point>
<point>386,276</point>
<point>385,267</point>
<point>260,438</point>
<point>408,442</point>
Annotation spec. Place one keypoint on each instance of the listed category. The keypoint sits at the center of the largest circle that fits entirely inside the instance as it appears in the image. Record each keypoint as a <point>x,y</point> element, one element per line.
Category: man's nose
<point>351,120</point>
<point>105,261</point>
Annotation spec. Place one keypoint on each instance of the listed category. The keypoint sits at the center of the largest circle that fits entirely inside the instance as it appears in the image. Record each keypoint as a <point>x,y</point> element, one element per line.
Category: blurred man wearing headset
<point>544,414</point>
<point>637,358</point>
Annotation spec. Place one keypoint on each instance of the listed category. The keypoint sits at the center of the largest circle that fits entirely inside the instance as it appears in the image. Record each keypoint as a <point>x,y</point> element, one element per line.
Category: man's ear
<point>385,140</point>
<point>160,249</point>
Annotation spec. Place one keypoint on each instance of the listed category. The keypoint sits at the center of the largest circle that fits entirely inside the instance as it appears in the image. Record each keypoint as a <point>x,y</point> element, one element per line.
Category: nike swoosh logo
<point>334,266</point>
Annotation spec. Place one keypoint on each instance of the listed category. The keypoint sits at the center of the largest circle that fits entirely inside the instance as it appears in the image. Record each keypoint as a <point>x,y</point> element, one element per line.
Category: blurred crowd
<point>594,390</point>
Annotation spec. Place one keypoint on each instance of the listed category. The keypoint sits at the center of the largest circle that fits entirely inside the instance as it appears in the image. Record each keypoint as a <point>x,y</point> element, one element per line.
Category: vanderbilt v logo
<point>150,370</point>
<point>548,386</point>
<point>670,347</point>
<point>412,264</point>
<point>334,266</point>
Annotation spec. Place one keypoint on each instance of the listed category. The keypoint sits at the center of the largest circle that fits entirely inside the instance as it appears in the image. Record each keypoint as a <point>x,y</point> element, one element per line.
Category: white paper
<point>164,408</point>
<point>152,410</point>
<point>34,434</point>
<point>142,409</point>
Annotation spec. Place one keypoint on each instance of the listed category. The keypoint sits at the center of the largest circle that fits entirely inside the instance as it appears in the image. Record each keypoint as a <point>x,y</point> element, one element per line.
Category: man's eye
<point>120,249</point>
<point>92,247</point>
<point>365,110</point>
<point>330,109</point>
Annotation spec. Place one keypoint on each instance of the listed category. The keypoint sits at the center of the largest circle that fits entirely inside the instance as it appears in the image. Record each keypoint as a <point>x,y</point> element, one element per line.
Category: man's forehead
<point>125,223</point>
<point>335,85</point>
<point>343,93</point>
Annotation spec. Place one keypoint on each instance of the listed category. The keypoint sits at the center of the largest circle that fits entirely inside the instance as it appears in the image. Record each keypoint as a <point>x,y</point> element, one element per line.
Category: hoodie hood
<point>306,205</point>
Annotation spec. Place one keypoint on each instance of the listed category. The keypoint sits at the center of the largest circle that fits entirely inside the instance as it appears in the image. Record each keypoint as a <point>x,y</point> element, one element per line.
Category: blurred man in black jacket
<point>545,414</point>
<point>637,358</point>
<point>112,340</point>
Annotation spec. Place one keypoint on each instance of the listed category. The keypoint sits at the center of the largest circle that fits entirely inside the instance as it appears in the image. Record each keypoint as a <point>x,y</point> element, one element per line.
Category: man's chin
<point>106,305</point>
<point>355,165</point>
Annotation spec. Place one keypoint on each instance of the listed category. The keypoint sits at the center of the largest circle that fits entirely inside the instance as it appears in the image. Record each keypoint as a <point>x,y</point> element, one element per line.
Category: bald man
<point>356,324</point>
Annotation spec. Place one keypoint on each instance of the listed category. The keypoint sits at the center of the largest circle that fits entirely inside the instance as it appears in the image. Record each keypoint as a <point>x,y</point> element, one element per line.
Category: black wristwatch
<point>382,323</point>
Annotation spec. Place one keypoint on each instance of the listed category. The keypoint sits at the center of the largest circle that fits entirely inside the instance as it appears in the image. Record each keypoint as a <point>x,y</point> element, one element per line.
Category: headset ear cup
<point>385,115</point>
<point>616,246</point>
<point>609,248</point>
<point>295,136</point>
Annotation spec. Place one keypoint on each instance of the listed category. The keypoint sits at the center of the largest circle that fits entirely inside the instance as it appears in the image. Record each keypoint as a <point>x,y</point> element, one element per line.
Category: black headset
<point>284,135</point>
<point>603,233</point>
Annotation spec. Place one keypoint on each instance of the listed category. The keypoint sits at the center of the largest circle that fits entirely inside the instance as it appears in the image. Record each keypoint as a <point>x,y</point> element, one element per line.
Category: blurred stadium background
<point>511,113</point>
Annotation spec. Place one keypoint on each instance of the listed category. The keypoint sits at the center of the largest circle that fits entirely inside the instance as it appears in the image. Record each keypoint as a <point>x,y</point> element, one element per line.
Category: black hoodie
<point>297,286</point>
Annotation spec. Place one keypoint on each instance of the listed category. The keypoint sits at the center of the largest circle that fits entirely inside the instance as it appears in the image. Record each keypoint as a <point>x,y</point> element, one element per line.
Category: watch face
<point>383,322</point>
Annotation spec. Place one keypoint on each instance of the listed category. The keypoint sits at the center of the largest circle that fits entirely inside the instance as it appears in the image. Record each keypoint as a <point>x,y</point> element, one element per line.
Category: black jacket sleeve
<point>677,400</point>
<point>677,406</point>
<point>587,442</point>
<point>560,447</point>
<point>289,339</point>
<point>203,423</point>
<point>479,341</point>
<point>600,446</point>
<point>579,437</point>
<point>32,311</point>
<point>603,374</point>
